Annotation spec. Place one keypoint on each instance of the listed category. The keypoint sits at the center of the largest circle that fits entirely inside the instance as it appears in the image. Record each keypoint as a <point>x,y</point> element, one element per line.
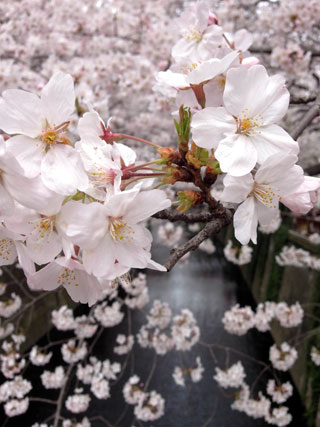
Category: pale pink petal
<point>131,254</point>
<point>176,80</point>
<point>211,68</point>
<point>280,171</point>
<point>27,152</point>
<point>271,140</point>
<point>86,289</point>
<point>33,194</point>
<point>21,112</point>
<point>43,246</point>
<point>62,170</point>
<point>245,89</point>
<point>245,222</point>
<point>58,99</point>
<point>153,265</point>
<point>6,202</point>
<point>46,278</point>
<point>236,189</point>
<point>85,225</point>
<point>126,153</point>
<point>145,204</point>
<point>242,40</point>
<point>214,92</point>
<point>90,126</point>
<point>101,260</point>
<point>237,155</point>
<point>120,204</point>
<point>300,203</point>
<point>267,214</point>
<point>276,98</point>
<point>302,200</point>
<point>24,259</point>
<point>187,98</point>
<point>211,125</point>
<point>184,49</point>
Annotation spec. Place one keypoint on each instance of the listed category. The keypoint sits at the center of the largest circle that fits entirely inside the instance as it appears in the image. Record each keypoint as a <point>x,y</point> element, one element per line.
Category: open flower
<point>41,123</point>
<point>277,177</point>
<point>69,273</point>
<point>110,235</point>
<point>303,199</point>
<point>93,132</point>
<point>199,39</point>
<point>187,74</point>
<point>243,131</point>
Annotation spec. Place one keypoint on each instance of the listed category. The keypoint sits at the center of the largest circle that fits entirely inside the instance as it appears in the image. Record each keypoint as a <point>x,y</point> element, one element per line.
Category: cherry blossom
<point>278,176</point>
<point>38,358</point>
<point>315,356</point>
<point>231,377</point>
<point>239,256</point>
<point>238,320</point>
<point>53,379</point>
<point>70,274</point>
<point>289,316</point>
<point>124,344</point>
<point>279,392</point>
<point>16,407</point>
<point>279,416</point>
<point>77,403</point>
<point>284,357</point>
<point>41,146</point>
<point>114,229</point>
<point>150,407</point>
<point>243,131</point>
<point>199,38</point>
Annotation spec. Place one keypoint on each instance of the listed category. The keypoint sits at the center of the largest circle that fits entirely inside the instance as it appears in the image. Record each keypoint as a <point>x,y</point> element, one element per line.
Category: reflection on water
<point>207,286</point>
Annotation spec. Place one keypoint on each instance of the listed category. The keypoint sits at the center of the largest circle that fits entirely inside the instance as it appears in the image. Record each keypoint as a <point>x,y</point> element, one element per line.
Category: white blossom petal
<point>62,170</point>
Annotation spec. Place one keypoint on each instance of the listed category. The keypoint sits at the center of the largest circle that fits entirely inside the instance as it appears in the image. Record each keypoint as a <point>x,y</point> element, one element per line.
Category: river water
<point>207,286</point>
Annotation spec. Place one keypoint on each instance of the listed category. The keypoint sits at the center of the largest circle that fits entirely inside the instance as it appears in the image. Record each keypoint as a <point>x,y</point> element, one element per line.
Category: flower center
<point>266,194</point>
<point>221,82</point>
<point>5,248</point>
<point>103,176</point>
<point>51,136</point>
<point>120,230</point>
<point>67,277</point>
<point>188,68</point>
<point>194,35</point>
<point>248,125</point>
<point>42,228</point>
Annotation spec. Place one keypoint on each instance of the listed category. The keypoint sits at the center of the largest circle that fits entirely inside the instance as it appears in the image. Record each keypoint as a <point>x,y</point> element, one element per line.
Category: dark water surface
<point>207,286</point>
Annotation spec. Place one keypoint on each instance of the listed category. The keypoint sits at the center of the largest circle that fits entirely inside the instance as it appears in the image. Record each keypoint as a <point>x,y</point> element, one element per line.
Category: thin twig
<point>307,119</point>
<point>153,367</point>
<point>174,215</point>
<point>40,399</point>
<point>212,227</point>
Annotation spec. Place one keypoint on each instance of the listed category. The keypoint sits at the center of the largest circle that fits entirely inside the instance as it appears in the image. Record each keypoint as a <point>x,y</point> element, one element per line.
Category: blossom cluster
<point>64,205</point>
<point>147,406</point>
<point>236,109</point>
<point>236,255</point>
<point>238,320</point>
<point>262,407</point>
<point>297,257</point>
<point>195,373</point>
<point>164,333</point>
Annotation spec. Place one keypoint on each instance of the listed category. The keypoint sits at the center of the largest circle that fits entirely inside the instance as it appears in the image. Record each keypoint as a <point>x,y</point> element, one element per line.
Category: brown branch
<point>212,227</point>
<point>307,119</point>
<point>268,50</point>
<point>189,218</point>
<point>297,101</point>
